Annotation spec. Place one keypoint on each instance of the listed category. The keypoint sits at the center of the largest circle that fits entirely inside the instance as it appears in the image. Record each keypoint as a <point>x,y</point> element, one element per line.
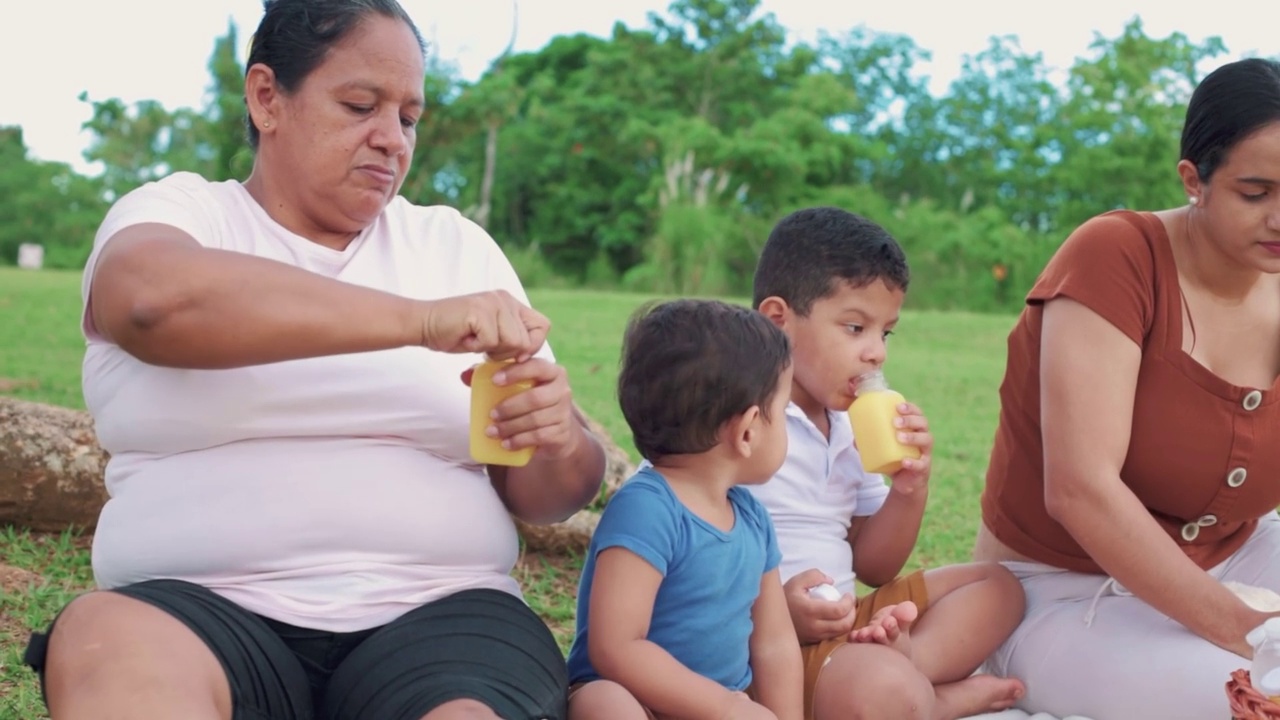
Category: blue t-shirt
<point>710,578</point>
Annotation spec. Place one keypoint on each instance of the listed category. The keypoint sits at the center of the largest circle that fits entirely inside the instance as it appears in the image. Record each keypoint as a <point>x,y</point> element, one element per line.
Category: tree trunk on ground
<point>51,471</point>
<point>50,467</point>
<point>574,535</point>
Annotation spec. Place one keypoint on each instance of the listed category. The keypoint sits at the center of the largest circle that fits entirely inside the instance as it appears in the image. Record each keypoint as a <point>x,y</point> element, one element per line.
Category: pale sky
<point>159,49</point>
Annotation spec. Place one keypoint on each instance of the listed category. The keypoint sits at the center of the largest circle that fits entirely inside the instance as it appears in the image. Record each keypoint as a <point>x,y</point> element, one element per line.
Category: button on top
<point>1190,531</point>
<point>1252,400</point>
<point>1236,477</point>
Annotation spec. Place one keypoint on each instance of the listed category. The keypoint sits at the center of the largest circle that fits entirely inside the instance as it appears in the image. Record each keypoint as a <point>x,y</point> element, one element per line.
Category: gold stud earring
<point>266,125</point>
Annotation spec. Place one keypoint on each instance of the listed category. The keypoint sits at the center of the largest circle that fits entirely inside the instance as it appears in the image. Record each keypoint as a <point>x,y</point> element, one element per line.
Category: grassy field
<point>949,363</point>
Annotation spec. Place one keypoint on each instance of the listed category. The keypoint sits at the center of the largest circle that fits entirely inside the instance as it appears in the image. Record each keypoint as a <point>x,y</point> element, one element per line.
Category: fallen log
<point>50,467</point>
<point>51,470</point>
<point>573,536</point>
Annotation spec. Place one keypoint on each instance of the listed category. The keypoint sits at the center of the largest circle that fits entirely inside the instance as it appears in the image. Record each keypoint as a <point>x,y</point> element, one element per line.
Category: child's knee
<point>1000,588</point>
<point>605,700</point>
<point>870,683</point>
<point>1006,586</point>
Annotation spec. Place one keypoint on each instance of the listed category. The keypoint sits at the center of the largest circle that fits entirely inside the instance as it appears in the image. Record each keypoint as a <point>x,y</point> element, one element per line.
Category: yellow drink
<point>484,396</point>
<point>871,415</point>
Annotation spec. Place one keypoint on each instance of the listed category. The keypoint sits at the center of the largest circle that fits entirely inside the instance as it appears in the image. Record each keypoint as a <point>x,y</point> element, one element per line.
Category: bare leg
<point>462,710</point>
<point>871,681</point>
<point>975,695</point>
<point>891,628</point>
<point>972,610</point>
<point>112,657</point>
<point>605,700</point>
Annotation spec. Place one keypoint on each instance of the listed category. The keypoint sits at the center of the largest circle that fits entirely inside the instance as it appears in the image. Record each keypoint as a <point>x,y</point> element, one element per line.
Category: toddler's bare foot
<point>977,694</point>
<point>890,626</point>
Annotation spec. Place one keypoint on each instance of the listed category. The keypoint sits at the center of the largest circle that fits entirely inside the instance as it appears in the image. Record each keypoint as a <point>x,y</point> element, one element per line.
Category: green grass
<point>948,363</point>
<point>40,343</point>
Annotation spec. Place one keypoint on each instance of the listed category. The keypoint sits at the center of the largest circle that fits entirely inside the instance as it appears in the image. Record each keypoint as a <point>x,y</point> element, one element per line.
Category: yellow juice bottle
<point>871,414</point>
<point>484,396</point>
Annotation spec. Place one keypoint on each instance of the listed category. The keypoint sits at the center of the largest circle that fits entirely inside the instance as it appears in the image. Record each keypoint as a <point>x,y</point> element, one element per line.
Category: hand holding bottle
<point>485,397</point>
<point>912,429</point>
<point>892,435</point>
<point>519,408</point>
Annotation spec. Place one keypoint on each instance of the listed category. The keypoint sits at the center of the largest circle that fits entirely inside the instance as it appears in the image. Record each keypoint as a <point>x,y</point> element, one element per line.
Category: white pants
<point>1088,647</point>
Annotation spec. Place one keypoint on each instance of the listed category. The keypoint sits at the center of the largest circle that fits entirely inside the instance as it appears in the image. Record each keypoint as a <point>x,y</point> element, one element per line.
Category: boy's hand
<point>817,620</point>
<point>913,430</point>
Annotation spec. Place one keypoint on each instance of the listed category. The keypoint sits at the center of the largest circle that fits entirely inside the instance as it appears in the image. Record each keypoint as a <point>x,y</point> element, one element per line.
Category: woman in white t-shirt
<point>296,528</point>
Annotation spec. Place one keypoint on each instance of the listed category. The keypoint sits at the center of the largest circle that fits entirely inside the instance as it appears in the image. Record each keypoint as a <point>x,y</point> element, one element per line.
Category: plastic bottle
<point>484,396</point>
<point>1264,671</point>
<point>871,414</point>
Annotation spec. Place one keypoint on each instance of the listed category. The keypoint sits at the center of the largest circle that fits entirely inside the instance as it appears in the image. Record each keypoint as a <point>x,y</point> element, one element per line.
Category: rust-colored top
<point>1204,455</point>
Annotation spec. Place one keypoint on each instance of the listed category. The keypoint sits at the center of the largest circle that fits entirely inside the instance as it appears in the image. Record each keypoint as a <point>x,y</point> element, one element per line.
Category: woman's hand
<point>493,323</point>
<point>542,416</point>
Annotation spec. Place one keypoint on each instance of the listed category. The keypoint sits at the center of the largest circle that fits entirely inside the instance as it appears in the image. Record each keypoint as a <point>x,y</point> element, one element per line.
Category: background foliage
<point>657,158</point>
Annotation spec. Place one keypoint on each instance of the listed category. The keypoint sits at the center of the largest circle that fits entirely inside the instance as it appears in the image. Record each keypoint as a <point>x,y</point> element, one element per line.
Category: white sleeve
<point>871,494</point>
<point>174,201</point>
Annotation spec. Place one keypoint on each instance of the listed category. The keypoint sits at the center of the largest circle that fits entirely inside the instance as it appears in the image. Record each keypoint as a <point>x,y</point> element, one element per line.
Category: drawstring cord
<point>1115,587</point>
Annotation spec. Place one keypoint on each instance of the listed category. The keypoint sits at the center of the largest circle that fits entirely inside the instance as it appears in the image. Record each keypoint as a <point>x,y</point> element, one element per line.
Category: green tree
<point>992,140</point>
<point>46,203</point>
<point>1123,122</point>
<point>144,141</point>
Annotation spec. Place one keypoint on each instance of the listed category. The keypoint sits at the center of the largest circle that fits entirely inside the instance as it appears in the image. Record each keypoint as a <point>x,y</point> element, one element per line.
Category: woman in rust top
<point>1136,466</point>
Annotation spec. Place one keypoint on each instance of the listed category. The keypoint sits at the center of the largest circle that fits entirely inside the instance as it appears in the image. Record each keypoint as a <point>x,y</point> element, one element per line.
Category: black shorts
<point>484,645</point>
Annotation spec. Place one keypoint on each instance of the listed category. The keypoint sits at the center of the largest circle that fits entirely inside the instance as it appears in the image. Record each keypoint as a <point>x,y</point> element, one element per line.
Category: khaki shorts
<point>817,655</point>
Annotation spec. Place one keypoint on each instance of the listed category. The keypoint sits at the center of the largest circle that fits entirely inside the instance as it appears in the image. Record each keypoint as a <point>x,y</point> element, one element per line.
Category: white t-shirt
<point>334,493</point>
<point>813,498</point>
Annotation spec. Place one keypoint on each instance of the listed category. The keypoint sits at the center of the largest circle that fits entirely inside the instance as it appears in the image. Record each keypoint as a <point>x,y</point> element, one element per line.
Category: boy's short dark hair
<point>689,366</point>
<point>810,250</point>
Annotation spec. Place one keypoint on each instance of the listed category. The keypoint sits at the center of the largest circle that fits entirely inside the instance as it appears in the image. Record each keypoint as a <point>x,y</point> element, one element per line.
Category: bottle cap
<point>1255,636</point>
<point>871,381</point>
<point>1269,684</point>
<point>1269,630</point>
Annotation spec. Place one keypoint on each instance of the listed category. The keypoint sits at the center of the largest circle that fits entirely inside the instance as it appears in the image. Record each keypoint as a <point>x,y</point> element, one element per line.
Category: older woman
<point>295,527</point>
<point>1136,467</point>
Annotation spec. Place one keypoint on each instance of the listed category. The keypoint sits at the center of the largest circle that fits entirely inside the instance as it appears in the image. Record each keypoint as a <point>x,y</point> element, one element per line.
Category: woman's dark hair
<point>1226,107</point>
<point>294,36</point>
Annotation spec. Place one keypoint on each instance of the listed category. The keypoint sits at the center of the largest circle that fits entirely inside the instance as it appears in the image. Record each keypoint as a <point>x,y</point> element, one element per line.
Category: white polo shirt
<point>333,493</point>
<point>813,498</point>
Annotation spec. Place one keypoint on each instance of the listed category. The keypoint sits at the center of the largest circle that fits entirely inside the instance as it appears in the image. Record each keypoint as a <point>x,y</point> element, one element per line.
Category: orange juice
<point>871,414</point>
<point>484,396</point>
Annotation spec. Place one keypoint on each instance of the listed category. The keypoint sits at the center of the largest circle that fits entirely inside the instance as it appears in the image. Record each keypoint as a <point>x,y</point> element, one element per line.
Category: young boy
<point>834,282</point>
<point>680,606</point>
